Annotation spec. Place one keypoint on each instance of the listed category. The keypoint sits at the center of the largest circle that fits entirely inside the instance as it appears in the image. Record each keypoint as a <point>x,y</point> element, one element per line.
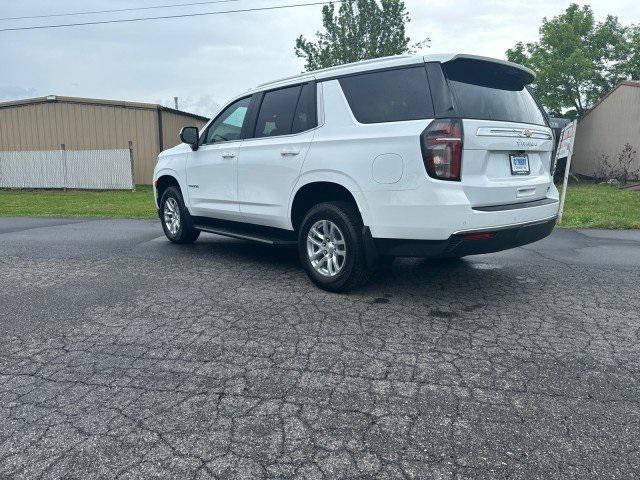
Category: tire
<point>386,261</point>
<point>349,270</point>
<point>172,207</point>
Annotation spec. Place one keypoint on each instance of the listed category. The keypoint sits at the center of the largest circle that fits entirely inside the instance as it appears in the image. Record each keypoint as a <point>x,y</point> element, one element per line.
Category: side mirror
<point>189,135</point>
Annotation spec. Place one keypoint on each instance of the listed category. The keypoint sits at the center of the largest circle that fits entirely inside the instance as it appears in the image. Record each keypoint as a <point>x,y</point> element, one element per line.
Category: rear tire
<point>175,218</point>
<point>385,261</point>
<point>331,247</point>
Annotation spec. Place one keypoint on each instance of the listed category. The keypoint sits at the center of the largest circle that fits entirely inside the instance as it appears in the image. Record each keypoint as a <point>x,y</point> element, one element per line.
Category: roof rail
<point>311,73</point>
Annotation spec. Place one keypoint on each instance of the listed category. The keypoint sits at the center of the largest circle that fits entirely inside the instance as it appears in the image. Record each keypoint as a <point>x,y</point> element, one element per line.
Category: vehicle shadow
<point>449,290</point>
<point>211,247</point>
<point>445,281</point>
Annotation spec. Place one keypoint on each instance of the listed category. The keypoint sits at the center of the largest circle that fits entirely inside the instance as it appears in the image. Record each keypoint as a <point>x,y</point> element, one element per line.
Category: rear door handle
<point>289,151</point>
<point>228,154</point>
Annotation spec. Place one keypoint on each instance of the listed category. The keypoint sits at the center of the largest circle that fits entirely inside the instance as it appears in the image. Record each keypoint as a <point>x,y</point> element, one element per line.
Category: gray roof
<point>97,101</point>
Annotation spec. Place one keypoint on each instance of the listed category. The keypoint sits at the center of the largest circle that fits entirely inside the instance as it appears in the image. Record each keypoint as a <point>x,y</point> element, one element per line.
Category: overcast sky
<point>205,60</point>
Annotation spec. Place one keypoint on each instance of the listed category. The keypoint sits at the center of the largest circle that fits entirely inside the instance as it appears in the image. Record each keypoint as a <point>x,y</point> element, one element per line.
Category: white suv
<point>434,156</point>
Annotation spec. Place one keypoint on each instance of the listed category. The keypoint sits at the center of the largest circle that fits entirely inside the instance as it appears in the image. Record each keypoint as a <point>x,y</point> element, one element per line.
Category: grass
<point>78,203</point>
<point>588,205</point>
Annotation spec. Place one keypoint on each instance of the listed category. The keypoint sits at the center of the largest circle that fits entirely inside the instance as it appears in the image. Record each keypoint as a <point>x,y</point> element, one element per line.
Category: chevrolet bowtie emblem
<point>527,133</point>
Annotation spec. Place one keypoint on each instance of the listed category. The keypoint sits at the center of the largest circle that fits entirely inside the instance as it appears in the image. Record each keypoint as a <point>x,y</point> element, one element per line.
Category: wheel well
<point>163,183</point>
<point>314,193</point>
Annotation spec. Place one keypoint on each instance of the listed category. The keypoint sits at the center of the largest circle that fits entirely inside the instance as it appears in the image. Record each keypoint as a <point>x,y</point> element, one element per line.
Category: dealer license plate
<point>519,164</point>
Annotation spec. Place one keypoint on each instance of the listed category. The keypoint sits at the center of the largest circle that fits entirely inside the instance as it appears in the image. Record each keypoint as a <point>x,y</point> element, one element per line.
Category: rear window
<point>491,92</point>
<point>277,112</point>
<point>389,96</point>
<point>305,117</point>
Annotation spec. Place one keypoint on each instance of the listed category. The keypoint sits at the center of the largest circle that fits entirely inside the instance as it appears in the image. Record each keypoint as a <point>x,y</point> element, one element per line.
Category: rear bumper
<point>462,243</point>
<point>438,212</point>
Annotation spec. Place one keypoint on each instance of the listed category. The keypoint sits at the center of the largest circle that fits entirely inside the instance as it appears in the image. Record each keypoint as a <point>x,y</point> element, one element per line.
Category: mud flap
<point>371,254</point>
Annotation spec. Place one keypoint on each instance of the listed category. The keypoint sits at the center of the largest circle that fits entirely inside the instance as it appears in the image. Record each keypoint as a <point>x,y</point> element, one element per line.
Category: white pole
<point>565,183</point>
<point>64,164</point>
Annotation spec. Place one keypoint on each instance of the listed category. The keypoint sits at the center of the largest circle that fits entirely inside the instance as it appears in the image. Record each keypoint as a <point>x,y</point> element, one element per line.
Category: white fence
<point>89,169</point>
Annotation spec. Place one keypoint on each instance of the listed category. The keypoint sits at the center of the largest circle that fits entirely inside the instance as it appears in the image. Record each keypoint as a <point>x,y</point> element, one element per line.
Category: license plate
<point>519,164</point>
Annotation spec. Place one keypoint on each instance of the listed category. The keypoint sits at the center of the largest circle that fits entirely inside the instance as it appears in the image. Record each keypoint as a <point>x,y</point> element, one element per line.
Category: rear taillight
<point>553,163</point>
<point>441,144</point>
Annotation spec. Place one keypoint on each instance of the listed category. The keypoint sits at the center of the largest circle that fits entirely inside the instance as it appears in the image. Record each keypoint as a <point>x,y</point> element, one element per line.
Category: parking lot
<point>122,355</point>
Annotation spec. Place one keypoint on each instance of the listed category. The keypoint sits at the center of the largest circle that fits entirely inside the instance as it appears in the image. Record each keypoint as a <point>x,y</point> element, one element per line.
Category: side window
<point>228,125</point>
<point>389,96</point>
<point>306,116</point>
<point>277,112</point>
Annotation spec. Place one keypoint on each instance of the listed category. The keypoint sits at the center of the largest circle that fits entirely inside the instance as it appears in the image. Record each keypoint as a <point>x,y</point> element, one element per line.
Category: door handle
<point>228,154</point>
<point>289,151</point>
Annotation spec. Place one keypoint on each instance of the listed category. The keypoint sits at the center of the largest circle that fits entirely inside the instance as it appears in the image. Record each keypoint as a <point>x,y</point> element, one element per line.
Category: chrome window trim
<point>513,133</point>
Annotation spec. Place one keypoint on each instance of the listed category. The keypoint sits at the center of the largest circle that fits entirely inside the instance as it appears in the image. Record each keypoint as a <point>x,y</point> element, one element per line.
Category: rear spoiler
<point>512,74</point>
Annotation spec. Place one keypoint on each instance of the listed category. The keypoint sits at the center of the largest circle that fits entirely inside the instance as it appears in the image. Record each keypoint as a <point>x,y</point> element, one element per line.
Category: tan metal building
<point>45,123</point>
<point>606,128</point>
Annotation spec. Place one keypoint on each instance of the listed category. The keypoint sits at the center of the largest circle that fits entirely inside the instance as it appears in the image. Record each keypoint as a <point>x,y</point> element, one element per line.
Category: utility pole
<point>175,100</point>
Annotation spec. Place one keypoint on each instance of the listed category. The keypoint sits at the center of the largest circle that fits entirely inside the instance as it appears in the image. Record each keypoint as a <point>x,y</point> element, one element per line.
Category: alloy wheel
<point>172,215</point>
<point>326,248</point>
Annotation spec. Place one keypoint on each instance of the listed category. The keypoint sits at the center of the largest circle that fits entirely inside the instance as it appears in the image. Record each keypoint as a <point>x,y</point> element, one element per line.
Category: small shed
<point>605,129</point>
<point>46,123</point>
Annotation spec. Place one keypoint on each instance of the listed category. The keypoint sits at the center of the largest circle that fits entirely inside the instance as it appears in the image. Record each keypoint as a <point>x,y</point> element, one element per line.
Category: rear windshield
<point>389,96</point>
<point>491,92</point>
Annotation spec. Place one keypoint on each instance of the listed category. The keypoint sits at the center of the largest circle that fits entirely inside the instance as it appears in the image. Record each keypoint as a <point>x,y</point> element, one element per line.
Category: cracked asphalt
<point>124,356</point>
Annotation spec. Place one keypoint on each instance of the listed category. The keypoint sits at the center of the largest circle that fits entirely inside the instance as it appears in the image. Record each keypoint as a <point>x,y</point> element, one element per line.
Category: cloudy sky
<point>204,60</point>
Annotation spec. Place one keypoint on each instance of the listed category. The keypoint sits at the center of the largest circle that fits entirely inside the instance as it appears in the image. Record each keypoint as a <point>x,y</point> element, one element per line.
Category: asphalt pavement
<point>125,356</point>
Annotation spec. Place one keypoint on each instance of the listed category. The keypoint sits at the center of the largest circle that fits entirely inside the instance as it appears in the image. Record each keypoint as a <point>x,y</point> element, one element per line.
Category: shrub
<point>620,168</point>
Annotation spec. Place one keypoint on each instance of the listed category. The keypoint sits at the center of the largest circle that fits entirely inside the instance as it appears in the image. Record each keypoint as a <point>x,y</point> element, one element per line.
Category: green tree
<point>633,63</point>
<point>361,29</point>
<point>576,59</point>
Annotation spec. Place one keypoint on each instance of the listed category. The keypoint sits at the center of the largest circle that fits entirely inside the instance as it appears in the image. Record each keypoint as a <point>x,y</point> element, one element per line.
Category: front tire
<point>174,216</point>
<point>331,247</point>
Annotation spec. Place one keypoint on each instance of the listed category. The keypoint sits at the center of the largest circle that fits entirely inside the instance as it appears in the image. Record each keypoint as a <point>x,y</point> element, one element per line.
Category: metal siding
<point>87,126</point>
<point>39,137</point>
<point>172,123</point>
<point>58,126</point>
<point>32,133</point>
<point>29,119</point>
<point>606,129</point>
